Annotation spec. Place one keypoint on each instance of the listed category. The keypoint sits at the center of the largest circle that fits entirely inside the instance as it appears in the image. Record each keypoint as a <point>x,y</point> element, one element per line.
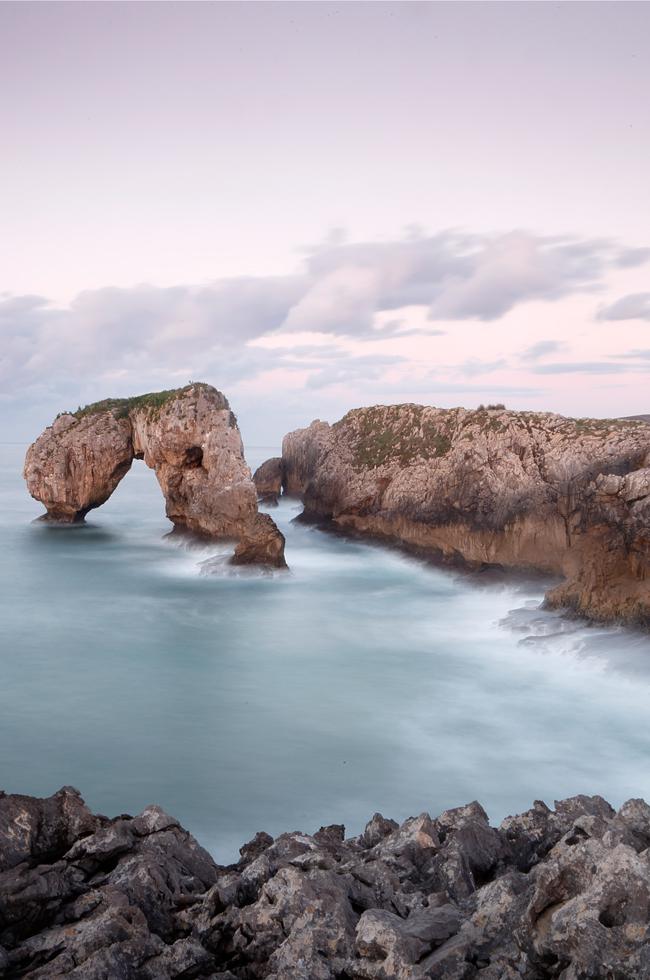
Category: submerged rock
<point>188,436</point>
<point>561,893</point>
<point>491,487</point>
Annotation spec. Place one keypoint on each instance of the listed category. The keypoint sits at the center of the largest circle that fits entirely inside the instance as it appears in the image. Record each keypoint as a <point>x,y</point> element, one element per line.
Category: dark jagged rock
<point>525,490</point>
<point>188,436</point>
<point>561,893</point>
<point>268,479</point>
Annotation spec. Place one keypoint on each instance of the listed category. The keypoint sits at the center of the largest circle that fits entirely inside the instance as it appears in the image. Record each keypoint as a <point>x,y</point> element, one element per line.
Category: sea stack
<point>188,436</point>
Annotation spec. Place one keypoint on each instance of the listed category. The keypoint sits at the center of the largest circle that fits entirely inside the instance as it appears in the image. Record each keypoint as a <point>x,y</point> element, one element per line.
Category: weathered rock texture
<point>517,489</point>
<point>188,436</point>
<point>268,479</point>
<point>561,893</point>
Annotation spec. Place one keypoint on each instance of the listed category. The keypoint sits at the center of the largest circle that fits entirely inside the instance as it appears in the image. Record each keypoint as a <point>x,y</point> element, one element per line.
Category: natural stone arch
<point>188,436</point>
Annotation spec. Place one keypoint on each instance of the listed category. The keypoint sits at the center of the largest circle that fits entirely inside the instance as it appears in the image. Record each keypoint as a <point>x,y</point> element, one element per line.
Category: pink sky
<point>167,169</point>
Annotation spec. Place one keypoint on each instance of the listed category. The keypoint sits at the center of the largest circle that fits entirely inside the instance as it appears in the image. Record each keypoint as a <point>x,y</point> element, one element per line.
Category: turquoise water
<point>360,681</point>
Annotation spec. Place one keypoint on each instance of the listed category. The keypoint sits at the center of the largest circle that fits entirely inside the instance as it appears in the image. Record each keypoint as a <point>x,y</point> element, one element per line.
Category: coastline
<point>561,892</point>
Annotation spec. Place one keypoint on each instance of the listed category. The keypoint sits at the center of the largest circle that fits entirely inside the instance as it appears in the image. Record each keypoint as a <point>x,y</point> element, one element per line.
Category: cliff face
<point>565,496</point>
<point>77,462</point>
<point>560,893</point>
<point>189,437</point>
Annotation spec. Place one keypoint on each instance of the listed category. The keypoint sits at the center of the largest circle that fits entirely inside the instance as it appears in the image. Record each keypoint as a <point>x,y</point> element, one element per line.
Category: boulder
<point>562,893</point>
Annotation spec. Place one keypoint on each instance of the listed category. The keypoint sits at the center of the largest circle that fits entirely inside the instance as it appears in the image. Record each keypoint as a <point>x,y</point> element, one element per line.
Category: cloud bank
<point>145,330</point>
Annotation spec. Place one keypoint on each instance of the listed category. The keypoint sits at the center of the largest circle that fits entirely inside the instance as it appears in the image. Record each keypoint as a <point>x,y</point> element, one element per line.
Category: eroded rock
<point>561,893</point>
<point>268,480</point>
<point>492,487</point>
<point>189,437</point>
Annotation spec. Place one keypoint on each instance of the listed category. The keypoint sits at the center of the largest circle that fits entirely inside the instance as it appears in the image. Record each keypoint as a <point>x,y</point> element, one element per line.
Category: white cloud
<point>635,306</point>
<point>116,341</point>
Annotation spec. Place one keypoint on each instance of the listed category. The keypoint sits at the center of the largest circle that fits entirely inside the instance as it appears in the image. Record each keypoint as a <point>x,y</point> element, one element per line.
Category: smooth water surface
<point>360,681</point>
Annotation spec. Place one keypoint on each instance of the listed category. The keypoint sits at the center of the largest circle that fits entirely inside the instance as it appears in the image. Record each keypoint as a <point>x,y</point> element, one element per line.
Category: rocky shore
<point>521,490</point>
<point>562,893</point>
<point>188,436</point>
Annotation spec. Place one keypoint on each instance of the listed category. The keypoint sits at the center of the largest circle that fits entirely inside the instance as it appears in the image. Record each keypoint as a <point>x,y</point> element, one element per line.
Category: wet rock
<point>553,893</point>
<point>260,842</point>
<point>376,829</point>
<point>41,830</point>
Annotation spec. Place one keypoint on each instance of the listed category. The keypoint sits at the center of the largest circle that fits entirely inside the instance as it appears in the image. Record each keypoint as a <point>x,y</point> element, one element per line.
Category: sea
<point>142,668</point>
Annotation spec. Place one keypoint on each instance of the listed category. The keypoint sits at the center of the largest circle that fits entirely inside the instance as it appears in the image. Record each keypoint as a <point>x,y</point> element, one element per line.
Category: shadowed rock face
<point>268,480</point>
<point>517,489</point>
<point>561,893</point>
<point>191,440</point>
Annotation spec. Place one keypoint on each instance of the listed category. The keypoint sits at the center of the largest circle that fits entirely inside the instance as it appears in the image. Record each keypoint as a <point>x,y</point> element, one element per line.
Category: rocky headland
<point>562,893</point>
<point>521,490</point>
<point>188,436</point>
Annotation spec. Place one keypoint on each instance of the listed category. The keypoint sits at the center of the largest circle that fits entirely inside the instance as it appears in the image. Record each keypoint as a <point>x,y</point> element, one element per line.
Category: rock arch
<point>188,436</point>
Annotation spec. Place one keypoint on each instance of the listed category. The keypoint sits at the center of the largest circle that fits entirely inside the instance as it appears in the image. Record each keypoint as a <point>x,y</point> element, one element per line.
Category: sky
<point>315,206</point>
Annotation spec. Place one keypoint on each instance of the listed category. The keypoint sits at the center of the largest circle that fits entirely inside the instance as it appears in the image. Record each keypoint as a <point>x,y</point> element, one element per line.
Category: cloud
<point>431,387</point>
<point>542,349</point>
<point>352,369</point>
<point>118,340</point>
<point>474,367</point>
<point>639,354</point>
<point>456,276</point>
<point>630,257</point>
<point>634,306</point>
<point>588,367</point>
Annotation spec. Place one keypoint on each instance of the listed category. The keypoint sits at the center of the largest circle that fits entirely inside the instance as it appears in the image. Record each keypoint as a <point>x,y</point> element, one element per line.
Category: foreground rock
<point>561,893</point>
<point>189,436</point>
<point>517,489</point>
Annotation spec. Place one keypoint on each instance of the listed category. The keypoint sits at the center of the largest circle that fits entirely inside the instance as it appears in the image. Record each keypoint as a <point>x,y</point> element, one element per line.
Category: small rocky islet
<point>561,893</point>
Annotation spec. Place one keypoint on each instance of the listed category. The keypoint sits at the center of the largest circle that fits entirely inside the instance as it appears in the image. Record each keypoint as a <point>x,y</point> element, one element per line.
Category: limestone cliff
<point>518,489</point>
<point>188,436</point>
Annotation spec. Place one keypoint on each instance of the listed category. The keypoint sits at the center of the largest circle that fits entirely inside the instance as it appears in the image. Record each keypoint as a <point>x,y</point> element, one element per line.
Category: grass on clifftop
<point>120,407</point>
<point>391,434</point>
<point>403,434</point>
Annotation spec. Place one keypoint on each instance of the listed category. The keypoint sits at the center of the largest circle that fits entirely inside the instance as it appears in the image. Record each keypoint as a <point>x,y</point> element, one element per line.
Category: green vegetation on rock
<point>408,433</point>
<point>394,433</point>
<point>598,426</point>
<point>121,407</point>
